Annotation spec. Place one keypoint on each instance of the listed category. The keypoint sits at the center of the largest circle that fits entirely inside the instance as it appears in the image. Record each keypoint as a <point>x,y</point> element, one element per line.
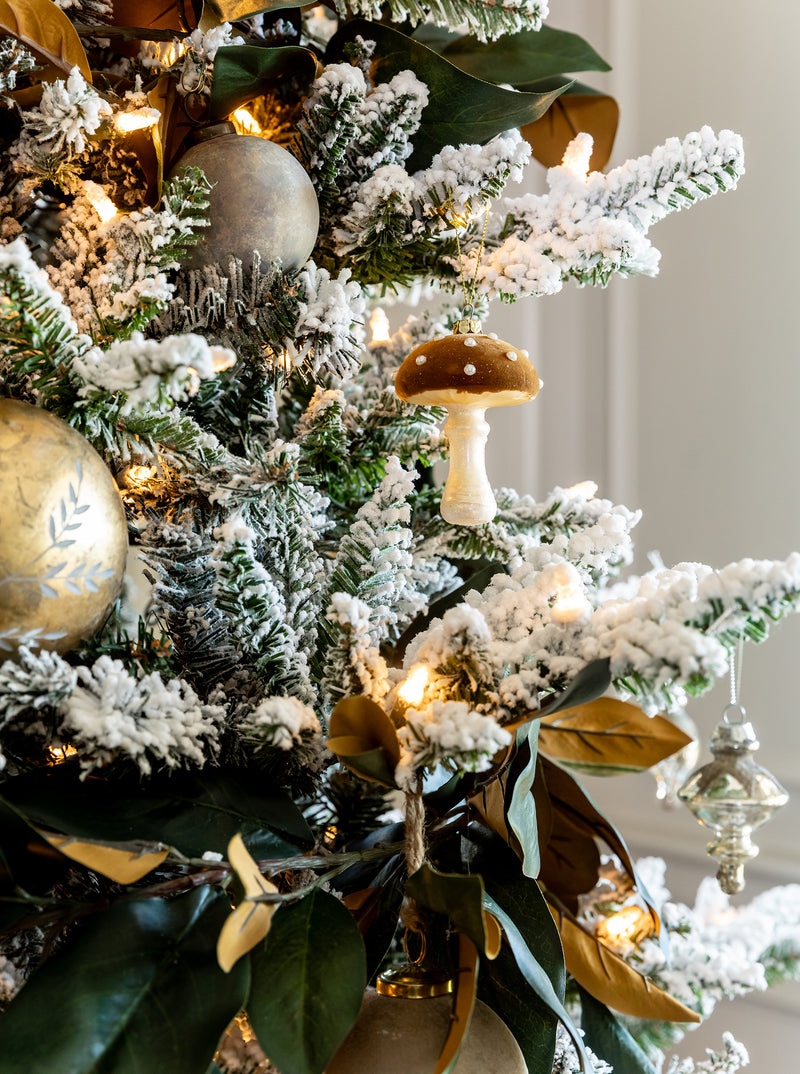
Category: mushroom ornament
<point>467,372</point>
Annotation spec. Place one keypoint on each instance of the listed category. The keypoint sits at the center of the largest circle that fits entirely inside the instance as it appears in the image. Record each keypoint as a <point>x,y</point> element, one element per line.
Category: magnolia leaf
<point>27,860</point>
<point>611,980</point>
<point>521,811</point>
<point>250,922</point>
<point>607,1036</point>
<point>579,108</point>
<point>461,108</point>
<point>460,898</point>
<point>132,989</point>
<point>366,720</point>
<point>241,73</point>
<point>466,985</point>
<point>43,27</point>
<point>591,682</point>
<point>569,798</point>
<point>615,736</point>
<point>308,982</point>
<point>536,977</point>
<point>490,805</point>
<point>234,10</point>
<point>172,15</point>
<point>193,811</point>
<point>525,56</point>
<point>123,865</point>
<point>570,861</point>
<point>372,765</point>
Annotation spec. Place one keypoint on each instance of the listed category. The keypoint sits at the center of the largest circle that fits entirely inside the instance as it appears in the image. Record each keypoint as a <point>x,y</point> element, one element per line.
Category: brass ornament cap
<point>467,372</point>
<point>406,1036</point>
<point>63,534</point>
<point>262,199</point>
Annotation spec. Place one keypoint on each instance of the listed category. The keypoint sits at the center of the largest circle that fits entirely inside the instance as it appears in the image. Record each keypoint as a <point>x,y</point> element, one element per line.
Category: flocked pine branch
<point>487,19</point>
<point>589,227</point>
<point>15,60</point>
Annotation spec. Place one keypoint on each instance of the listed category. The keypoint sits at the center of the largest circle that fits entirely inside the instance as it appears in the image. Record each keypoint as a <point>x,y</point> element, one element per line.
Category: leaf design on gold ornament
<point>122,863</point>
<point>466,987</point>
<point>43,27</point>
<point>250,922</point>
<point>609,736</point>
<point>611,980</point>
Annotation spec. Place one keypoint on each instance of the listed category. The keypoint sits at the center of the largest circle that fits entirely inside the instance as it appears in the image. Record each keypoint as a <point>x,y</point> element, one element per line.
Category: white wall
<point>680,395</point>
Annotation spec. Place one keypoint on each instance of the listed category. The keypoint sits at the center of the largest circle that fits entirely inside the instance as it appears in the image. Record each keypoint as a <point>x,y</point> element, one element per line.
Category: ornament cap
<point>467,325</point>
<point>414,982</point>
<point>733,738</point>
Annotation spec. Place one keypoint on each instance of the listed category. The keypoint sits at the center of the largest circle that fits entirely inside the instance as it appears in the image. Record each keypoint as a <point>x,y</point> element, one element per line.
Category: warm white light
<point>570,601</point>
<point>222,359</point>
<point>625,928</point>
<point>586,489</point>
<point>379,325</point>
<point>139,474</point>
<point>245,123</point>
<point>172,52</point>
<point>59,754</point>
<point>136,121</point>
<point>100,201</point>
<point>578,154</point>
<point>413,689</point>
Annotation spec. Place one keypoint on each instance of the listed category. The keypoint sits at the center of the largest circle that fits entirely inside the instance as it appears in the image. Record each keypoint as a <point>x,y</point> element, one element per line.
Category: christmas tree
<point>327,736</point>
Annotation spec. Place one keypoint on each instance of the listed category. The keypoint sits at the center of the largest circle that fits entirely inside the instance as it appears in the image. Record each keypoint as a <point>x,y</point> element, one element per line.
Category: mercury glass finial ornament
<point>733,795</point>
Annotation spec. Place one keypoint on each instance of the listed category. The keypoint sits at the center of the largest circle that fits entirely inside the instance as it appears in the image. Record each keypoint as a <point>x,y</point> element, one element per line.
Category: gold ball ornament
<point>63,534</point>
<point>262,199</point>
<point>405,1036</point>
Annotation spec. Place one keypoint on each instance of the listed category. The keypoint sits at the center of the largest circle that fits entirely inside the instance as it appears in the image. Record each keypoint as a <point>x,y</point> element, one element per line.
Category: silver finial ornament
<point>733,795</point>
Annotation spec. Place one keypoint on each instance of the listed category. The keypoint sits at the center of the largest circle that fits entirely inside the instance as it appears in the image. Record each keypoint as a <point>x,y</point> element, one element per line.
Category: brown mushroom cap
<point>466,367</point>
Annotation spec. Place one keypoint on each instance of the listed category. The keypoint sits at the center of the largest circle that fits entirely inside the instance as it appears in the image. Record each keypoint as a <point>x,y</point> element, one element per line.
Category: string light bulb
<point>136,121</point>
<point>569,602</point>
<point>379,326</point>
<point>100,201</point>
<point>413,689</point>
<point>624,929</point>
<point>578,154</point>
<point>245,122</point>
<point>139,475</point>
<point>586,489</point>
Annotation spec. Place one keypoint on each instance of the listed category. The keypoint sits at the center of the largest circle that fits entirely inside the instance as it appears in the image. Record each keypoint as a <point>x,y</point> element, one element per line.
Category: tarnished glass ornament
<point>733,795</point>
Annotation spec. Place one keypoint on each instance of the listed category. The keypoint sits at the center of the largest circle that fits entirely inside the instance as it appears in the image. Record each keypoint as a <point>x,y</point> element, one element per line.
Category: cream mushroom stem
<point>468,499</point>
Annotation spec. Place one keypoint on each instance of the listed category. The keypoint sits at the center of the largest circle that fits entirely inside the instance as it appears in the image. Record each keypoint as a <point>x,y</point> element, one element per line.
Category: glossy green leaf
<point>502,984</point>
<point>591,682</point>
<point>26,859</point>
<point>194,812</point>
<point>536,977</point>
<point>521,810</point>
<point>454,895</point>
<point>136,990</point>
<point>242,72</point>
<point>607,1036</point>
<point>522,57</point>
<point>461,108</point>
<point>308,982</point>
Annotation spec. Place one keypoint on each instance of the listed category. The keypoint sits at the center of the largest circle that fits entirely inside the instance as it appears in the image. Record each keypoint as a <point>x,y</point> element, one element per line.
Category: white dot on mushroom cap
<point>470,342</point>
<point>525,354</point>
<point>512,355</point>
<point>493,335</point>
<point>469,369</point>
<point>421,359</point>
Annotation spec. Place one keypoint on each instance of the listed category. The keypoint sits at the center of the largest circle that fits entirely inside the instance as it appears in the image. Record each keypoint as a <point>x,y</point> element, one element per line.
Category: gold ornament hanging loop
<point>468,323</point>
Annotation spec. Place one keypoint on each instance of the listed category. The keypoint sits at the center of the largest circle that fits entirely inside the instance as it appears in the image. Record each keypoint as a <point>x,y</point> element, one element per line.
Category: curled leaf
<point>364,738</point>
<point>250,922</point>
<point>466,986</point>
<point>611,980</point>
<point>579,108</point>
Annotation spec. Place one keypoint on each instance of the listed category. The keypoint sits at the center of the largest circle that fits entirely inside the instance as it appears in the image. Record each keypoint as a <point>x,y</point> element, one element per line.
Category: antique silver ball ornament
<point>262,199</point>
